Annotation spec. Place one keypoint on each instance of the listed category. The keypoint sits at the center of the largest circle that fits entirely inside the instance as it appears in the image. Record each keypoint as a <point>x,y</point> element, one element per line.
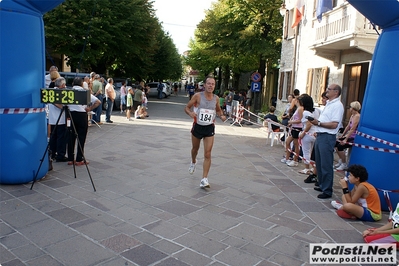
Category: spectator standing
<point>47,78</point>
<point>129,102</point>
<point>296,127</point>
<point>123,97</point>
<point>348,135</point>
<point>138,98</point>
<point>312,178</point>
<point>175,87</point>
<point>86,82</point>
<point>160,89</point>
<point>110,95</point>
<point>98,93</point>
<point>306,136</point>
<point>58,140</point>
<point>328,124</point>
<point>79,117</point>
<point>190,90</point>
<point>229,101</point>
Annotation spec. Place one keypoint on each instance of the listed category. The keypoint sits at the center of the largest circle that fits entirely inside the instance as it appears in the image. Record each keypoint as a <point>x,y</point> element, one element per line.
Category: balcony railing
<point>340,23</point>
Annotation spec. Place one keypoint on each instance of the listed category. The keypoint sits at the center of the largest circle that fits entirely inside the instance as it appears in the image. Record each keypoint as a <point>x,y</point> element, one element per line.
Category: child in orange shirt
<point>362,202</point>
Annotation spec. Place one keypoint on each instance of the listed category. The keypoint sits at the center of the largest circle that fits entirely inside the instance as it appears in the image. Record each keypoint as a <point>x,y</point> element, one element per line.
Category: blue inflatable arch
<point>23,126</point>
<point>379,116</point>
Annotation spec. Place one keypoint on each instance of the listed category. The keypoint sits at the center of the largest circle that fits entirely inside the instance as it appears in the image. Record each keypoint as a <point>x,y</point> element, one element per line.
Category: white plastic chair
<point>274,135</point>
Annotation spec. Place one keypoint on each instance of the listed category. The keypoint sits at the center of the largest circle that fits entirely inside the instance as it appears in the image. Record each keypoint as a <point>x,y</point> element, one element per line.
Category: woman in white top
<point>306,136</point>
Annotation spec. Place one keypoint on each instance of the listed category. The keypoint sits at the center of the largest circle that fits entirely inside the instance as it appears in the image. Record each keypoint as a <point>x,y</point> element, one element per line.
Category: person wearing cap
<point>97,89</point>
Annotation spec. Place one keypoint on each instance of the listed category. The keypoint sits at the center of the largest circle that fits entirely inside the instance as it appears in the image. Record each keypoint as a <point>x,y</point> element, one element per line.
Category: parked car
<point>154,92</point>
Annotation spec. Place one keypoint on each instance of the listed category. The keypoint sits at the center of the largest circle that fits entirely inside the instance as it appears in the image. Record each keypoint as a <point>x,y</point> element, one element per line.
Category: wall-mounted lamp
<point>283,10</point>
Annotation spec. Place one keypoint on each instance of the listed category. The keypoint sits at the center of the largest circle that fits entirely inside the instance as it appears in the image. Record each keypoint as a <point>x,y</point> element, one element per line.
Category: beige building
<point>336,50</point>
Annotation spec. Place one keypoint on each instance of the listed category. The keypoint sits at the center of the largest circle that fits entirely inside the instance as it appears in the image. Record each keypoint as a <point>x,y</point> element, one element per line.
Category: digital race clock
<point>65,96</point>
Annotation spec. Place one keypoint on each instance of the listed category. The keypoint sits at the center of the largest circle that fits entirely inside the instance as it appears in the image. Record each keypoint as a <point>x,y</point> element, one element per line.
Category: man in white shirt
<point>47,79</point>
<point>329,122</point>
<point>110,95</point>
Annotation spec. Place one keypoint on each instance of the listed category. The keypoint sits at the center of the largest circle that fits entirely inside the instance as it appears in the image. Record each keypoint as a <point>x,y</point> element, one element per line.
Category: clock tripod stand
<point>71,130</point>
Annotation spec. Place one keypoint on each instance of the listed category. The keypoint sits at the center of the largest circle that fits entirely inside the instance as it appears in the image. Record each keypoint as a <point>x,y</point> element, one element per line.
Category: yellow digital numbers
<point>65,96</point>
<point>68,96</point>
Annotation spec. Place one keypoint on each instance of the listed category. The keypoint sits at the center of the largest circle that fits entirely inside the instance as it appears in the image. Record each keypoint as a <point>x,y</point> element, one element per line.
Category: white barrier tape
<point>10,111</point>
<point>377,139</point>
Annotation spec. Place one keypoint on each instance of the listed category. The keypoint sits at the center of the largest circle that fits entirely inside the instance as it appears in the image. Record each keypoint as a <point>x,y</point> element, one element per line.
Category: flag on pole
<point>298,12</point>
<point>322,7</point>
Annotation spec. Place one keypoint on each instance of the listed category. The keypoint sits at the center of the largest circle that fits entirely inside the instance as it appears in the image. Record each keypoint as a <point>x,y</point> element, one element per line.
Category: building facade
<point>338,49</point>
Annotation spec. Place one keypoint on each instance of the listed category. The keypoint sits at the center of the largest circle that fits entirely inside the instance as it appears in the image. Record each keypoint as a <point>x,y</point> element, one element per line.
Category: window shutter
<point>286,22</point>
<point>289,77</point>
<point>323,82</point>
<point>281,87</point>
<point>309,80</point>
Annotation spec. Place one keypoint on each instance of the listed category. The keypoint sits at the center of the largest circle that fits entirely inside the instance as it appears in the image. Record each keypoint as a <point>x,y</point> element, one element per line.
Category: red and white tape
<point>11,111</point>
<point>372,148</point>
<point>377,139</point>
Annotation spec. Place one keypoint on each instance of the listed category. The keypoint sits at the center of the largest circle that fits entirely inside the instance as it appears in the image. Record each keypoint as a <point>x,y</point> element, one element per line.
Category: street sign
<point>255,86</point>
<point>256,77</point>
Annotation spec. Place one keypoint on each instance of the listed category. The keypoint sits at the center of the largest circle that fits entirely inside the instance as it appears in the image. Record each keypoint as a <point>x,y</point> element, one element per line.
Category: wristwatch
<point>318,123</point>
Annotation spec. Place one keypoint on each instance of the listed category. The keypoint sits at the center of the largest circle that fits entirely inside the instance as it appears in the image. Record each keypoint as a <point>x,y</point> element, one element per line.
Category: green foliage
<point>237,33</point>
<point>120,37</point>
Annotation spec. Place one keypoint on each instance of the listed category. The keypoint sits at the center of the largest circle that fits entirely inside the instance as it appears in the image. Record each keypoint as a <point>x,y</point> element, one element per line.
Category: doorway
<point>356,79</point>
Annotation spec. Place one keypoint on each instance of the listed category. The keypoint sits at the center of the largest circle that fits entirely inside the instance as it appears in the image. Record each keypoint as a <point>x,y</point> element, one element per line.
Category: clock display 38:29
<point>64,96</point>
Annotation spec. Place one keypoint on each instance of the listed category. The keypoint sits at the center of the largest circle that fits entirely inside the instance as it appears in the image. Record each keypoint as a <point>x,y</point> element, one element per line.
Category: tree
<point>241,34</point>
<point>107,36</point>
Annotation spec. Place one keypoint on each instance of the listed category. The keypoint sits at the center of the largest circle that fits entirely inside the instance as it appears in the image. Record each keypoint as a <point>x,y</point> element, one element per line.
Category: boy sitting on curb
<point>362,202</point>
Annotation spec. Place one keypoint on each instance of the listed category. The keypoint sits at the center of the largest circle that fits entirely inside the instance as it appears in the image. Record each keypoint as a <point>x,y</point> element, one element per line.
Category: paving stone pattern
<point>148,210</point>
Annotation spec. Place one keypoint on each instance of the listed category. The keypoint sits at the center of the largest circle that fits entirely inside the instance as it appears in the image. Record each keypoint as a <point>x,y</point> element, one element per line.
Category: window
<point>285,85</point>
<point>288,31</point>
<point>316,83</point>
<point>315,3</point>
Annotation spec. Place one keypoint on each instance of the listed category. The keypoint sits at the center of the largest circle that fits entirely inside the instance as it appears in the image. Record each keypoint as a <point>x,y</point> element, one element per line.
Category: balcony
<point>344,28</point>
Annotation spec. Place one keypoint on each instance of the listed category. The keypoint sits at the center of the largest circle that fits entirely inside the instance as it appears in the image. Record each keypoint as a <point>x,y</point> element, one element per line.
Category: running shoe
<point>336,204</point>
<point>204,183</point>
<point>191,169</point>
<point>312,178</point>
<point>292,163</point>
<point>283,160</point>
<point>342,167</point>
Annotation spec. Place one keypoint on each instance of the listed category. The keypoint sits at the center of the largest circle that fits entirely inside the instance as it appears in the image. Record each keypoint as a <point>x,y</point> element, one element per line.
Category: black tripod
<point>72,130</point>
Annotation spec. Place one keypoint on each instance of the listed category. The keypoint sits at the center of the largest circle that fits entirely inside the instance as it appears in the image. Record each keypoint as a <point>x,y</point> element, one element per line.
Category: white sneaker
<point>342,167</point>
<point>204,183</point>
<point>292,163</point>
<point>283,160</point>
<point>191,169</point>
<point>336,204</point>
<point>338,164</point>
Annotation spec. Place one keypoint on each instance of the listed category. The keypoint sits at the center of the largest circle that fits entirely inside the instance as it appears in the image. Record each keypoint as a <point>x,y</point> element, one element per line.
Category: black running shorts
<point>200,132</point>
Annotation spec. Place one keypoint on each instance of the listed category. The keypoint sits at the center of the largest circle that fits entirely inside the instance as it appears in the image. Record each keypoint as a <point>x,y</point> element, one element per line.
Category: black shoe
<point>324,196</point>
<point>311,179</point>
<point>109,121</point>
<point>318,189</point>
<point>316,184</point>
<point>65,159</point>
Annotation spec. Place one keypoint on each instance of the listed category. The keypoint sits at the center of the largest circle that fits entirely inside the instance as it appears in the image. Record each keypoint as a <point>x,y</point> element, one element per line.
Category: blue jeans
<point>160,94</point>
<point>99,109</point>
<point>110,105</point>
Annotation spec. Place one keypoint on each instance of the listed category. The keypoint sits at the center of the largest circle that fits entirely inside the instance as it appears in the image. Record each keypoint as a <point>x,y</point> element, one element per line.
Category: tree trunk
<point>226,78</point>
<point>219,85</point>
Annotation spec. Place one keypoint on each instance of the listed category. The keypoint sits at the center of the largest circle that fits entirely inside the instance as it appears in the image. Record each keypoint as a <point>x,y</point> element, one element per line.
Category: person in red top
<point>362,202</point>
